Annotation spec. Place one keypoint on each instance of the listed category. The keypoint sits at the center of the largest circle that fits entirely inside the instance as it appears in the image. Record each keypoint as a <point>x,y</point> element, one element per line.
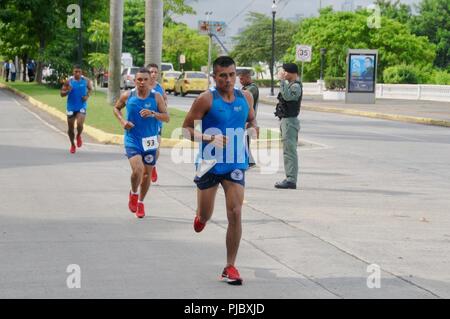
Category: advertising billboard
<point>361,73</point>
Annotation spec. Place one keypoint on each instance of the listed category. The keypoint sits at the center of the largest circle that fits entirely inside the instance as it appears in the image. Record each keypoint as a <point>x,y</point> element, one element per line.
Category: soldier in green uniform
<point>288,109</point>
<point>245,77</point>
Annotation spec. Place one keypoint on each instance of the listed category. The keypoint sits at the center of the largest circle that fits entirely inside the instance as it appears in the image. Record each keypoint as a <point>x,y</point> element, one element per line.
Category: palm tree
<point>115,49</point>
<point>153,31</point>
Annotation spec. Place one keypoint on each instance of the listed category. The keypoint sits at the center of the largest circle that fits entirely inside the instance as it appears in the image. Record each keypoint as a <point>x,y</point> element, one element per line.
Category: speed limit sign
<point>303,53</point>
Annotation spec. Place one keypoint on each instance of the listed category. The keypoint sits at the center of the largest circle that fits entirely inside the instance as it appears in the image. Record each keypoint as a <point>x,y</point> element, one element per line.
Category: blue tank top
<point>158,88</point>
<point>143,136</point>
<point>229,119</point>
<point>75,97</point>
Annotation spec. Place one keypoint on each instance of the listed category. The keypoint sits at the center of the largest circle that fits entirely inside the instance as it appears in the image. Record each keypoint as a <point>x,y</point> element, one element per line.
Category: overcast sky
<point>233,12</point>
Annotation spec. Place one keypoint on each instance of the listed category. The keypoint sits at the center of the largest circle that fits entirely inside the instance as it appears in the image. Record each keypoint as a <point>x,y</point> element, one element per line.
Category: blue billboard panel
<point>362,73</point>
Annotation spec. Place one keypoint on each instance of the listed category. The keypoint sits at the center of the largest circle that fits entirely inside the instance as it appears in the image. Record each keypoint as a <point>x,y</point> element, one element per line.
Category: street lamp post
<point>208,15</point>
<point>80,35</point>
<point>274,11</point>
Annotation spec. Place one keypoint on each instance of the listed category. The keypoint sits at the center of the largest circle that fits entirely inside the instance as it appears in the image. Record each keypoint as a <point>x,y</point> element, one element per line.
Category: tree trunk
<point>153,31</point>
<point>40,65</point>
<point>24,61</point>
<point>115,49</point>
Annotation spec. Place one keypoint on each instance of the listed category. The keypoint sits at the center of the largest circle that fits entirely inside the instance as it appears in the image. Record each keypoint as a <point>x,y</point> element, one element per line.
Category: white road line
<point>39,118</point>
<point>50,125</point>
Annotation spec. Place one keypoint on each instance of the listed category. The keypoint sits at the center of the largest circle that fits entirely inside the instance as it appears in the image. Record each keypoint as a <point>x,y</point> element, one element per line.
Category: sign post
<point>211,28</point>
<point>182,61</point>
<point>303,53</point>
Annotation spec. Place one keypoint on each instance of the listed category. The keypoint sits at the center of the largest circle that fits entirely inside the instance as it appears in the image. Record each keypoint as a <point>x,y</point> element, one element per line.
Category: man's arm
<point>66,88</point>
<point>199,108</point>
<point>89,88</point>
<point>251,119</point>
<point>120,104</point>
<point>290,92</point>
<point>162,114</point>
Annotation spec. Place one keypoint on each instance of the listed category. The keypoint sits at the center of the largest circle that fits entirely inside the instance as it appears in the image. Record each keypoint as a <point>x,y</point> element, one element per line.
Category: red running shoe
<point>140,213</point>
<point>73,149</point>
<point>133,202</point>
<point>154,175</point>
<point>79,141</point>
<point>198,226</point>
<point>231,275</point>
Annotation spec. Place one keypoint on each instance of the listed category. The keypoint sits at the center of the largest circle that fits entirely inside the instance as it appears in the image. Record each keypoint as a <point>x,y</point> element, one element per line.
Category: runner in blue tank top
<point>224,112</point>
<point>154,74</point>
<point>78,89</point>
<point>145,107</point>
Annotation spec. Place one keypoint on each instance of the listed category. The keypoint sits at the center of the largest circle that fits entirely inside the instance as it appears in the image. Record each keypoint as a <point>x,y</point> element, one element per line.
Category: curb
<point>95,133</point>
<point>108,138</point>
<point>384,116</point>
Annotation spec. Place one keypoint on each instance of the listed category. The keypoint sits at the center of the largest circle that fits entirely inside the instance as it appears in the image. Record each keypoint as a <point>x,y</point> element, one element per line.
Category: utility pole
<point>80,35</point>
<point>115,49</point>
<point>208,15</point>
<point>153,31</point>
<point>272,64</point>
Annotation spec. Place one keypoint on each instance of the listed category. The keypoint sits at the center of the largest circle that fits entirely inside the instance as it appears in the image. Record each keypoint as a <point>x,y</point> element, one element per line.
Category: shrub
<point>402,74</point>
<point>335,83</point>
<point>440,77</point>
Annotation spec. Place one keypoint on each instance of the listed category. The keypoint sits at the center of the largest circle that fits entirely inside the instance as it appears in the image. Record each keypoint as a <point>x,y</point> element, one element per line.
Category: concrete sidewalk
<point>411,111</point>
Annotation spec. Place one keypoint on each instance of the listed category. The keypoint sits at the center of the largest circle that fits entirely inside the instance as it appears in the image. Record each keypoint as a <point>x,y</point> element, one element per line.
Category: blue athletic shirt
<point>75,97</point>
<point>143,136</point>
<point>158,88</point>
<point>227,119</point>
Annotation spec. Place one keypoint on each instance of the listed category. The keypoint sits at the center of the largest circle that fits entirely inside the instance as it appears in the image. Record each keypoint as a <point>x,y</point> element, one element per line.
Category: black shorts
<point>72,114</point>
<point>210,179</point>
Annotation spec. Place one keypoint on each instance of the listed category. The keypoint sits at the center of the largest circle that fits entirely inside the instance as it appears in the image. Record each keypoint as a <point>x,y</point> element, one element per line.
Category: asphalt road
<point>371,192</point>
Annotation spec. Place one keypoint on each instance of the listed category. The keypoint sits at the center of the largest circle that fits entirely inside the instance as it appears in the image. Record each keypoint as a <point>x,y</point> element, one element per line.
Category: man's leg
<point>205,203</point>
<point>137,171</point>
<point>81,117</point>
<point>154,173</point>
<point>145,183</point>
<point>234,196</point>
<point>71,132</point>
<point>290,128</point>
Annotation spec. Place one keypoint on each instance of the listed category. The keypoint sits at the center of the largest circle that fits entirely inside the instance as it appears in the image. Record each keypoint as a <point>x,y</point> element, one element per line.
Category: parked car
<point>168,80</point>
<point>165,66</point>
<point>127,78</point>
<point>191,82</point>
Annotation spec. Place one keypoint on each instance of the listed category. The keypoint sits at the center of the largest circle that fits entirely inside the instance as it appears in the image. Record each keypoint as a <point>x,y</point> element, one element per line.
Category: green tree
<point>134,25</point>
<point>46,25</point>
<point>395,10</point>
<point>254,43</point>
<point>99,35</point>
<point>433,21</point>
<point>340,31</point>
<point>180,39</point>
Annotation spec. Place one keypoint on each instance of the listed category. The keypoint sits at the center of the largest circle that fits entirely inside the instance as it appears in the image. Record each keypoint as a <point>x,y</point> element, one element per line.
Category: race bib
<point>150,143</point>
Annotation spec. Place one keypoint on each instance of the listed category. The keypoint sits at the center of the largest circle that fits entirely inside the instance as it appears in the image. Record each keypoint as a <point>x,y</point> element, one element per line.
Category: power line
<point>284,7</point>
<point>241,11</point>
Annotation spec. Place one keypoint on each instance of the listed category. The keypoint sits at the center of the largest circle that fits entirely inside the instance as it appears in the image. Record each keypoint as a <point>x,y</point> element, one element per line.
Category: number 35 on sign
<point>303,53</point>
